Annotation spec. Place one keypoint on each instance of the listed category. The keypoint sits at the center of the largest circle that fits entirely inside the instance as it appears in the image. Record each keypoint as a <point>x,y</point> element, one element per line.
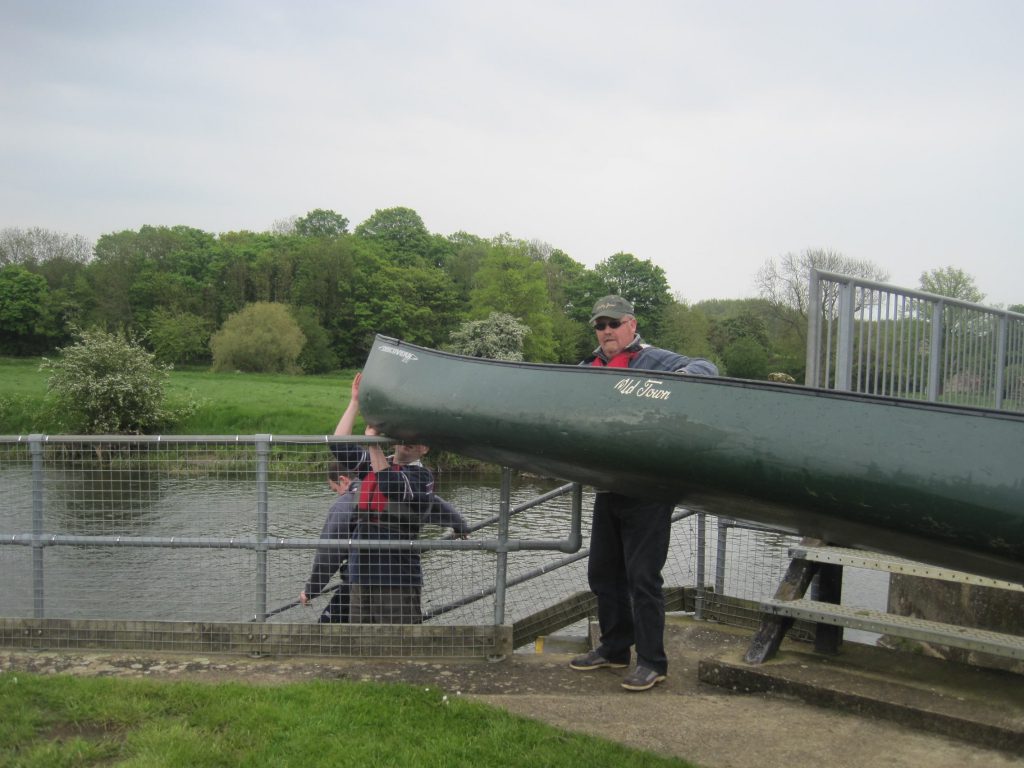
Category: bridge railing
<point>865,336</point>
<point>203,543</point>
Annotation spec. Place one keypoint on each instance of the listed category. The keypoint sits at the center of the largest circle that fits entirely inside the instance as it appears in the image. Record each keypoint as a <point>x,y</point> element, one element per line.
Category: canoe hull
<point>935,483</point>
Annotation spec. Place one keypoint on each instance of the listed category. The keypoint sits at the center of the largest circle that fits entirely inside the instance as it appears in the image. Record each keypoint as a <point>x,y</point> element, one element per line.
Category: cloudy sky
<point>704,135</point>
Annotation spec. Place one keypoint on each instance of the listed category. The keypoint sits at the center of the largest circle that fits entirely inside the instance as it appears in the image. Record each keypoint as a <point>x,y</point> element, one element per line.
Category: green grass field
<point>67,721</point>
<point>229,403</point>
<point>255,403</point>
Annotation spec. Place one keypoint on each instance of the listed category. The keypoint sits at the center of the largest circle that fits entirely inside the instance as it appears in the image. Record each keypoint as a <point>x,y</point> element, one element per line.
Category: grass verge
<point>67,721</point>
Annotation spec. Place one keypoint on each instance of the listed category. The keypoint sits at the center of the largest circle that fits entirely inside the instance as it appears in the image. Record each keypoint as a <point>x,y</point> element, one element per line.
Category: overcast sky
<point>704,136</point>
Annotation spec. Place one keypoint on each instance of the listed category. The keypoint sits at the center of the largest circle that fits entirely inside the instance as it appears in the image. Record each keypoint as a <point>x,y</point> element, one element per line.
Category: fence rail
<point>865,336</point>
<point>186,539</point>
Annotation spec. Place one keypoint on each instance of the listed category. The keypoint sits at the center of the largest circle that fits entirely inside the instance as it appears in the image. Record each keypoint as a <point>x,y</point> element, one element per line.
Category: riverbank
<point>869,706</point>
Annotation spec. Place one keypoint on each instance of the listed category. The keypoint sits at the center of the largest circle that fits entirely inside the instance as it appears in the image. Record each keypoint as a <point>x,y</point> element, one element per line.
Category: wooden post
<point>828,588</point>
<point>768,637</point>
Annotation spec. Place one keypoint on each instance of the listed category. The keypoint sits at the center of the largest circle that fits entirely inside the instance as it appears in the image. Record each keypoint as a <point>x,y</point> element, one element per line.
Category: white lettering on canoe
<point>404,354</point>
<point>646,388</point>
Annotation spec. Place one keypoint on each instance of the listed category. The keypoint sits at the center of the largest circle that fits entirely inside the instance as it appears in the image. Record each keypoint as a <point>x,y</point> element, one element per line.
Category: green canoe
<point>935,483</point>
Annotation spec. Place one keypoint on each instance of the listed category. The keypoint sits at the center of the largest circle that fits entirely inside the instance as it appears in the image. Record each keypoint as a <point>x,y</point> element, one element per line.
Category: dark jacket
<point>406,502</point>
<point>647,358</point>
<point>338,525</point>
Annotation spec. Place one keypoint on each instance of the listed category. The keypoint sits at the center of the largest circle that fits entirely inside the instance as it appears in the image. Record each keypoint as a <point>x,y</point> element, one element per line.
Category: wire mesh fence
<point>204,543</point>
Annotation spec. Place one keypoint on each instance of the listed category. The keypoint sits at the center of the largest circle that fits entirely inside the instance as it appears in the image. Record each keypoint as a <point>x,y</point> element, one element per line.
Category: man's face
<point>614,340</point>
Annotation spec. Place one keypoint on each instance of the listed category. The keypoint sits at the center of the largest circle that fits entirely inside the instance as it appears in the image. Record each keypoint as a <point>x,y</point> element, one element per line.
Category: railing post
<point>698,599</point>
<point>812,375</point>
<point>262,524</point>
<point>720,549</point>
<point>576,521</point>
<point>1004,327</point>
<point>36,450</point>
<point>844,344</point>
<point>501,568</point>
<point>935,352</point>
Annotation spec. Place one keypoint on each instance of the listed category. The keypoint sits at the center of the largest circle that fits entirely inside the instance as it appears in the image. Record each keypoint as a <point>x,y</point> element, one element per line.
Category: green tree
<point>572,289</point>
<point>744,325</point>
<point>746,359</point>
<point>466,253</point>
<point>104,384</point>
<point>316,356</point>
<point>253,266</point>
<point>179,337</point>
<point>23,298</point>
<point>133,273</point>
<point>686,329</point>
<point>400,232</point>
<point>324,278</point>
<point>498,337</point>
<point>951,282</point>
<point>642,283</point>
<point>262,337</point>
<point>415,303</point>
<point>511,282</point>
<point>111,276</point>
<point>321,223</point>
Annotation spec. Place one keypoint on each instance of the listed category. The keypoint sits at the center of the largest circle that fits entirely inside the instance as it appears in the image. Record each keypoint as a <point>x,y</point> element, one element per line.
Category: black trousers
<point>628,547</point>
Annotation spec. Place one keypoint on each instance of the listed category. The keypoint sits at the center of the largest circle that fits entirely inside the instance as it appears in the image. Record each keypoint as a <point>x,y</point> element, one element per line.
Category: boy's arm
<point>328,559</point>
<point>353,458</point>
<point>347,422</point>
<point>444,514</point>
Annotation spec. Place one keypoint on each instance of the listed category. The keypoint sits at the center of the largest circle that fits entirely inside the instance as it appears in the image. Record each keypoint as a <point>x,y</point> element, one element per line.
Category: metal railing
<point>204,542</point>
<point>865,336</point>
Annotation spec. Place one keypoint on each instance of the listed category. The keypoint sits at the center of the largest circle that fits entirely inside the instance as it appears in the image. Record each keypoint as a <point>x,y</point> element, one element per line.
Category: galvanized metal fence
<point>865,336</point>
<point>203,543</point>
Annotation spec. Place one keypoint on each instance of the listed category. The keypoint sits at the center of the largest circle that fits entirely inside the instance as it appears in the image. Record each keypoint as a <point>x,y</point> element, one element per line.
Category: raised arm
<point>353,457</point>
<point>347,422</point>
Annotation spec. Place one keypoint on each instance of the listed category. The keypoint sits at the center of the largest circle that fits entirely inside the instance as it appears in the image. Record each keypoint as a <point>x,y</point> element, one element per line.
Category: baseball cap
<point>612,306</point>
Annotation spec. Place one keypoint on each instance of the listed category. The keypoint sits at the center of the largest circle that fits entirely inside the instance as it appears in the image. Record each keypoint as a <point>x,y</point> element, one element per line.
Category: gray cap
<point>612,306</point>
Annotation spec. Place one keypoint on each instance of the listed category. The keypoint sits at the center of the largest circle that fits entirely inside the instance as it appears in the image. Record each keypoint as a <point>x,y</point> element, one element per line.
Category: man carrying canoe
<point>630,536</point>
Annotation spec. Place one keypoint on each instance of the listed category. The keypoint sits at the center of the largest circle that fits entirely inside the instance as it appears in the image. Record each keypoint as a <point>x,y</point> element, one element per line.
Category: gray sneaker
<point>594,660</point>
<point>642,679</point>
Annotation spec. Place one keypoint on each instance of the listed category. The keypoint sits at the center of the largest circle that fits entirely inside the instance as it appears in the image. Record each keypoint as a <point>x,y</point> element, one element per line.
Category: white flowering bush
<point>103,384</point>
<point>499,337</point>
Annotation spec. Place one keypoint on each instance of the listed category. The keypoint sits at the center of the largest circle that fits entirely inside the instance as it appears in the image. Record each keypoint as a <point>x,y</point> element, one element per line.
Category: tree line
<point>183,294</point>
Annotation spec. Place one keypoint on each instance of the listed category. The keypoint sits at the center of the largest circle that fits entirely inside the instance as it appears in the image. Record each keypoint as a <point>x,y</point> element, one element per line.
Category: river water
<point>217,584</point>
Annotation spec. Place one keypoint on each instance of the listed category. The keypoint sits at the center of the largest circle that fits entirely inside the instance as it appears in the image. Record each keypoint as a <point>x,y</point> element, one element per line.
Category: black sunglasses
<point>613,324</point>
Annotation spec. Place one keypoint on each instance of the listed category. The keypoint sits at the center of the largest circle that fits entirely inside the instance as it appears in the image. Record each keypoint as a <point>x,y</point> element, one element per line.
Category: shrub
<point>104,384</point>
<point>499,337</point>
<point>259,338</point>
<point>746,359</point>
<point>179,337</point>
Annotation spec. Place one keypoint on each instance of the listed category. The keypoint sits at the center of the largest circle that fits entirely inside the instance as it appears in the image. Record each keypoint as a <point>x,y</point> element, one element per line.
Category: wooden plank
<point>766,641</point>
